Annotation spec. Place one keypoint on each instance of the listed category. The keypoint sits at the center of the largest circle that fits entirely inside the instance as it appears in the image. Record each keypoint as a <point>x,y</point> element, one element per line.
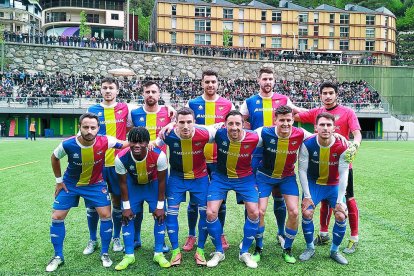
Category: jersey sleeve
<point>119,166</point>
<point>243,109</point>
<point>114,143</point>
<point>303,170</point>
<point>159,142</point>
<point>259,133</point>
<point>307,117</point>
<point>59,152</point>
<point>353,122</point>
<point>162,163</point>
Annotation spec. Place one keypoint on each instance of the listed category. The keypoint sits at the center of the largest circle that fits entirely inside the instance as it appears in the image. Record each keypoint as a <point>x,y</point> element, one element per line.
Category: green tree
<point>227,37</point>
<point>143,25</point>
<point>84,30</point>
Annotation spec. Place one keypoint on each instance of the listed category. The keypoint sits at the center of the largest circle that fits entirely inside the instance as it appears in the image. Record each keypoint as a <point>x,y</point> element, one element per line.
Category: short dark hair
<point>265,70</point>
<point>185,111</point>
<point>110,80</point>
<point>234,113</point>
<point>209,72</point>
<point>89,115</point>
<point>325,115</point>
<point>139,135</point>
<point>149,83</point>
<point>283,110</point>
<point>328,84</point>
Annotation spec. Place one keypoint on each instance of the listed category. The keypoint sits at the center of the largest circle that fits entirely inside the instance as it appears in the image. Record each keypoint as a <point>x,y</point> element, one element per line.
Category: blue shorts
<point>110,177</point>
<point>177,187</point>
<point>323,192</point>
<point>211,167</point>
<point>138,194</point>
<point>287,185</point>
<point>245,187</point>
<point>95,195</point>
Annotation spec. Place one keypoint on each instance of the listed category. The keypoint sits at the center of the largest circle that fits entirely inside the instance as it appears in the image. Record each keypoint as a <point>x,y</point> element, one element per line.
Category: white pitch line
<point>19,165</point>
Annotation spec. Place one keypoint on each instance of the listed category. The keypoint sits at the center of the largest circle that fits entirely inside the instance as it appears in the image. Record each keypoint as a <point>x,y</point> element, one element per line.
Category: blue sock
<point>259,236</point>
<point>279,209</point>
<point>57,236</point>
<point>159,234</point>
<point>215,229</point>
<point>137,223</point>
<point>192,216</point>
<point>106,234</point>
<point>172,226</point>
<point>338,234</point>
<point>128,236</point>
<point>222,214</point>
<point>202,227</point>
<point>290,235</point>
<point>117,221</point>
<point>93,219</point>
<point>251,228</point>
<point>308,229</point>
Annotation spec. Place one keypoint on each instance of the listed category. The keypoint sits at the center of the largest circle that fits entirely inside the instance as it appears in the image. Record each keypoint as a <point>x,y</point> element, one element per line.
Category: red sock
<point>325,216</point>
<point>353,214</point>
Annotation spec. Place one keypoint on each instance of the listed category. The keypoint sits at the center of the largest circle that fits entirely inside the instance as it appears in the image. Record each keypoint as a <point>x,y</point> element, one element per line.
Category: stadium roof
<point>357,8</point>
<point>385,11</point>
<point>326,7</point>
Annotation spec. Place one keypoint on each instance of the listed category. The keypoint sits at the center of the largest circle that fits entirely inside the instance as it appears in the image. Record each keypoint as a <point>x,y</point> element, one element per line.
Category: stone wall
<point>68,60</point>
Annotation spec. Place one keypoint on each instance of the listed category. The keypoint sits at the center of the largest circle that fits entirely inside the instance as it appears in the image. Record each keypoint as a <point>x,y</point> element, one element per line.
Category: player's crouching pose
<point>82,178</point>
<point>323,173</point>
<point>142,176</point>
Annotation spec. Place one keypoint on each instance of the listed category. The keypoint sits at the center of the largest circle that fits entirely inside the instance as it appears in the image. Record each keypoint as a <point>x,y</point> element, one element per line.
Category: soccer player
<point>188,172</point>
<point>113,117</point>
<point>346,122</point>
<point>142,176</point>
<point>82,178</point>
<point>153,117</point>
<point>323,174</point>
<point>258,110</point>
<point>234,172</point>
<point>209,108</point>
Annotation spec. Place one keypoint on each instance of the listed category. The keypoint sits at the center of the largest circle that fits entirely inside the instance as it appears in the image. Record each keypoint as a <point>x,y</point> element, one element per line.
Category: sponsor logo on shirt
<point>224,143</point>
<point>104,191</point>
<point>294,143</point>
<point>315,153</point>
<point>99,152</point>
<point>176,145</point>
<point>141,119</point>
<point>119,112</point>
<point>258,102</point>
<point>162,120</point>
<point>131,167</point>
<point>75,155</point>
<point>200,107</point>
<point>99,113</point>
<point>197,144</point>
<point>272,141</point>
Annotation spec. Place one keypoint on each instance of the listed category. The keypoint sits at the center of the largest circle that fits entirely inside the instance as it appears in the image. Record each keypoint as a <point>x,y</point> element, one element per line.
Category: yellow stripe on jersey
<point>232,158</point>
<point>142,173</point>
<point>209,119</point>
<point>110,125</point>
<point>323,166</point>
<point>267,112</point>
<point>151,125</point>
<point>187,149</point>
<point>281,155</point>
<point>87,166</point>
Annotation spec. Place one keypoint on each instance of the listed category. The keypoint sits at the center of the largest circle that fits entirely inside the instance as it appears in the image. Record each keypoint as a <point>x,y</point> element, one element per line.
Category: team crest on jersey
<point>335,155</point>
<point>197,144</point>
<point>272,141</point>
<point>99,152</point>
<point>151,165</point>
<point>99,113</point>
<point>246,146</point>
<point>131,167</point>
<point>141,119</point>
<point>224,143</point>
<point>315,153</point>
<point>200,107</point>
<point>162,120</point>
<point>119,112</point>
<point>258,102</point>
<point>104,191</point>
<point>221,108</point>
<point>176,145</point>
<point>337,116</point>
<point>75,155</point>
<point>294,143</point>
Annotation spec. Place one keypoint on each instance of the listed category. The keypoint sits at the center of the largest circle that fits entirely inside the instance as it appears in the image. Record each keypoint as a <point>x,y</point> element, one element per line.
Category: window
<point>315,44</point>
<point>228,25</point>
<point>344,19</point>
<point>303,18</point>
<point>370,32</point>
<point>369,45</point>
<point>303,30</point>
<point>370,20</point>
<point>203,11</point>
<point>173,37</point>
<point>276,42</point>
<point>203,25</point>
<point>386,21</point>
<point>114,16</point>
<point>241,41</point>
<point>92,18</point>
<point>55,17</point>
<point>331,31</point>
<point>228,13</point>
<point>263,15</point>
<point>315,30</point>
<point>344,31</point>
<point>315,17</point>
<point>241,27</point>
<point>276,16</point>
<point>332,18</point>
<point>173,23</point>
<point>276,29</point>
<point>263,42</point>
<point>331,44</point>
<point>241,14</point>
<point>1,14</point>
<point>173,9</point>
<point>303,44</point>
<point>203,39</point>
<point>344,45</point>
<point>263,28</point>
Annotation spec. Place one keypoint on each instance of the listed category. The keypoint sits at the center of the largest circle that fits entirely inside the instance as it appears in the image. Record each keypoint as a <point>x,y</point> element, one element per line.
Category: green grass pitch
<point>384,188</point>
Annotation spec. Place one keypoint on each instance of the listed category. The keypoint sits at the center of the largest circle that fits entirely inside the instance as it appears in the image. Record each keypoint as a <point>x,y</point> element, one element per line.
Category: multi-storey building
<point>20,16</point>
<point>354,30</point>
<point>62,17</point>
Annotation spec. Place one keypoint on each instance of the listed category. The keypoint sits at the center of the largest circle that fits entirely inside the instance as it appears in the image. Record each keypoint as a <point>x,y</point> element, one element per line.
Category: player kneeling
<point>142,176</point>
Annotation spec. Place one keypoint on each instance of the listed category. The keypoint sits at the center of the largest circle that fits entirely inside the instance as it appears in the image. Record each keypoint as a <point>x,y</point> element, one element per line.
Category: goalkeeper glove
<point>351,152</point>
